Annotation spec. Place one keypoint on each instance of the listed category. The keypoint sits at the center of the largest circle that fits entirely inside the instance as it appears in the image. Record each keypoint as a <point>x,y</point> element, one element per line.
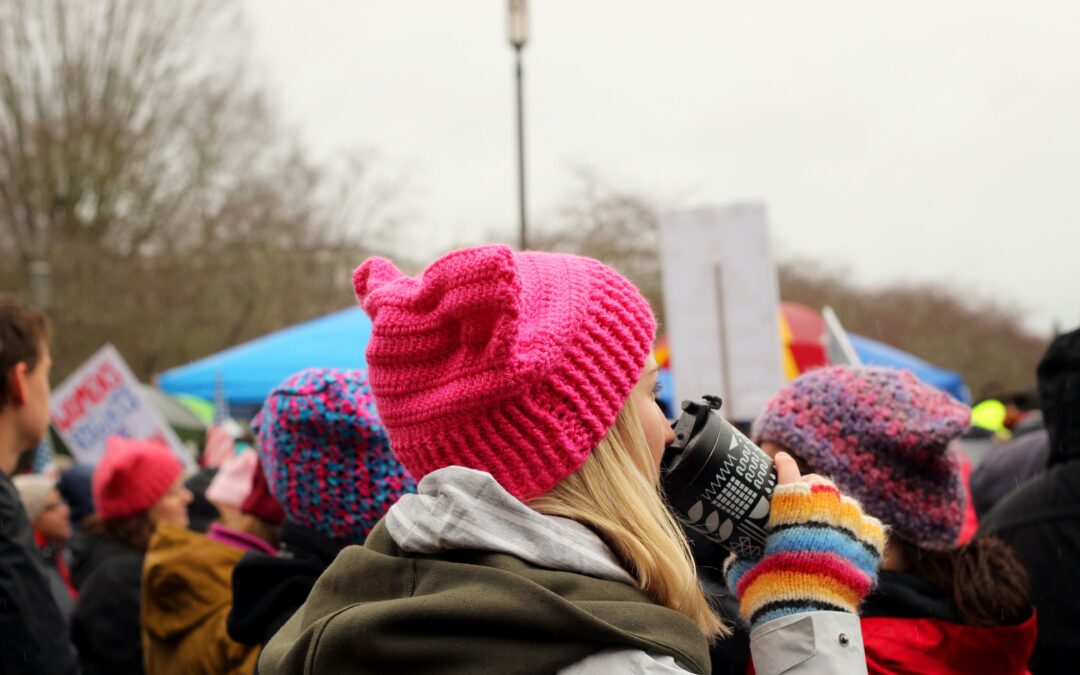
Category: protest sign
<point>722,305</point>
<point>101,399</point>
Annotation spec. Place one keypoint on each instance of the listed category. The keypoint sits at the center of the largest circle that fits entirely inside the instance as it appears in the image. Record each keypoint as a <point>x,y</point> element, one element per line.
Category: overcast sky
<point>905,141</point>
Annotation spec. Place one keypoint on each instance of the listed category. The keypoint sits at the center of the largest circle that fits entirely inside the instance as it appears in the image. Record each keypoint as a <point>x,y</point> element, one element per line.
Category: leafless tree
<point>140,158</point>
<point>954,328</point>
<point>110,131</point>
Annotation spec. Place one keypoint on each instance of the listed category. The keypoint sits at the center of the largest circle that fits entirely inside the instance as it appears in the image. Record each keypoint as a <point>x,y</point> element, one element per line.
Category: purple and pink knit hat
<point>883,436</point>
<point>511,363</point>
<point>325,454</point>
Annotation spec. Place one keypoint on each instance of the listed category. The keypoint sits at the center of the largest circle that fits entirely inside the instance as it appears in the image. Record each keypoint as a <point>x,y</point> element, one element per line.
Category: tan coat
<point>186,596</point>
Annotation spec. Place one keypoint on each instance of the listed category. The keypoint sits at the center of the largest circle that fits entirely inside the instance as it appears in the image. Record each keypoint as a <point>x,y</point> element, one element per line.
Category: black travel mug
<point>718,482</point>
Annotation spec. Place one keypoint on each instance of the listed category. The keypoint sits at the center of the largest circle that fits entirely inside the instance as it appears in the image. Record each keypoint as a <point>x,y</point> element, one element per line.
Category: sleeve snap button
<point>844,639</point>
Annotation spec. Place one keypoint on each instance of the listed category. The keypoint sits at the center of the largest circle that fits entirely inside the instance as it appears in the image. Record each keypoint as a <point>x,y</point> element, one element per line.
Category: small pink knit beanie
<point>132,476</point>
<point>232,483</point>
<point>511,363</point>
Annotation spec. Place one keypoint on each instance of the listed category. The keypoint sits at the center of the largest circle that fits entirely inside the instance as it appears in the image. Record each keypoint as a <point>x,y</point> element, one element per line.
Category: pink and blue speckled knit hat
<point>325,454</point>
<point>511,363</point>
<point>883,436</point>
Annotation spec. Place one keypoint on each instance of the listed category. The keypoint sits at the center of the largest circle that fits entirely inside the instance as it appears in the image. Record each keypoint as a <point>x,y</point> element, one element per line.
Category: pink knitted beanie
<point>232,483</point>
<point>132,476</point>
<point>510,363</point>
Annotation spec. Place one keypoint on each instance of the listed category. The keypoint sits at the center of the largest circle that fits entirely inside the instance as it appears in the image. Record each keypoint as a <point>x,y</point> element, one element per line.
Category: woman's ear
<point>16,383</point>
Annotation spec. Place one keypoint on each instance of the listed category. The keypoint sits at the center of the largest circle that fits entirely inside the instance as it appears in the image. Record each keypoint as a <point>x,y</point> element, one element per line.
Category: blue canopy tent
<point>247,372</point>
<point>872,352</point>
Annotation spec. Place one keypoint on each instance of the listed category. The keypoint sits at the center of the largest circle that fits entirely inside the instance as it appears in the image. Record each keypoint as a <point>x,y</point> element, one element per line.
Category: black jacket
<point>267,590</point>
<point>1008,466</point>
<point>33,634</point>
<point>106,627</point>
<point>1041,521</point>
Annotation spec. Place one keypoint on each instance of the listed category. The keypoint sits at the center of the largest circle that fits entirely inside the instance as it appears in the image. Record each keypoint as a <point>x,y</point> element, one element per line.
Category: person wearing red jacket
<point>885,438</point>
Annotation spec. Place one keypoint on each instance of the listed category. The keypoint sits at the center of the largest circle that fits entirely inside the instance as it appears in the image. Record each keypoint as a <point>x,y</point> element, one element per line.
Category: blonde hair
<point>616,493</point>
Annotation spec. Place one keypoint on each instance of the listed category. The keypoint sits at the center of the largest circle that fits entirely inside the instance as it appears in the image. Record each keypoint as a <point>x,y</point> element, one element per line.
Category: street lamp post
<point>518,33</point>
<point>38,273</point>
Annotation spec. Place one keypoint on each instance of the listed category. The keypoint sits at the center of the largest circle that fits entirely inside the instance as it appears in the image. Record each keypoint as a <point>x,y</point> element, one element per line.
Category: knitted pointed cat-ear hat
<point>884,437</point>
<point>511,363</point>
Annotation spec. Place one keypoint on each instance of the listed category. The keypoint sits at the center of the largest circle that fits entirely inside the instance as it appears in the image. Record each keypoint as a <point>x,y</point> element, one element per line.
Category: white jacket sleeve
<point>630,661</point>
<point>808,644</point>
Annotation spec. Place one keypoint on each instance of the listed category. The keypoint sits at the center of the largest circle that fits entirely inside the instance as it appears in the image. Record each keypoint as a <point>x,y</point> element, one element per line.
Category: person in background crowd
<point>986,432</point>
<point>253,522</point>
<point>1008,466</point>
<point>1022,414</point>
<point>519,387</point>
<point>230,487</point>
<point>187,591</point>
<point>1041,520</point>
<point>884,436</point>
<point>51,520</point>
<point>991,415</point>
<point>33,633</point>
<point>137,485</point>
<point>262,509</point>
<point>201,512</point>
<point>1031,421</point>
<point>326,459</point>
<point>223,441</point>
<point>74,487</point>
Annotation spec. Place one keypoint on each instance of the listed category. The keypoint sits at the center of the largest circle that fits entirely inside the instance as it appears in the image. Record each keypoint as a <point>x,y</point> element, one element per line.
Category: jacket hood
<point>465,568</point>
<point>456,508</point>
<point>933,646</point>
<point>379,609</point>
<point>909,625</point>
<point>1059,396</point>
<point>186,578</point>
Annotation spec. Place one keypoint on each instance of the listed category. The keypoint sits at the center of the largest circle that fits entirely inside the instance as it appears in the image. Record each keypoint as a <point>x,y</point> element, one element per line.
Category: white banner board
<point>102,399</point>
<point>722,306</point>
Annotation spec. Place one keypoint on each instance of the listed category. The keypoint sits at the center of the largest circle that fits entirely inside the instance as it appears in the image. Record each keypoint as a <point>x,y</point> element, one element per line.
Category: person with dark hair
<point>1041,520</point>
<point>74,487</point>
<point>326,460</point>
<point>137,485</point>
<point>201,511</point>
<point>33,633</point>
<point>886,438</point>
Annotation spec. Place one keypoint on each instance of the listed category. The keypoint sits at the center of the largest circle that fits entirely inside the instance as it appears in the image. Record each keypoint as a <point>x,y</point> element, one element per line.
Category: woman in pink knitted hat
<point>187,576</point>
<point>137,485</point>
<point>518,388</point>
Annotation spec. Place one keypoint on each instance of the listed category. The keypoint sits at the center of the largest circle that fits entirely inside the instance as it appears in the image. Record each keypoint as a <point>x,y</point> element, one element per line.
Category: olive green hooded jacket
<point>380,608</point>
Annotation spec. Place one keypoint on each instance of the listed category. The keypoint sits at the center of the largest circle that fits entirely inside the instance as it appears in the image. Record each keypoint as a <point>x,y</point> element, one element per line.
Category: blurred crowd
<point>486,498</point>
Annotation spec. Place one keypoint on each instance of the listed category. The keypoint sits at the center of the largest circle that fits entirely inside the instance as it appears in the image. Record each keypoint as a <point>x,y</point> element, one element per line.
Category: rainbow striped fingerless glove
<point>822,553</point>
